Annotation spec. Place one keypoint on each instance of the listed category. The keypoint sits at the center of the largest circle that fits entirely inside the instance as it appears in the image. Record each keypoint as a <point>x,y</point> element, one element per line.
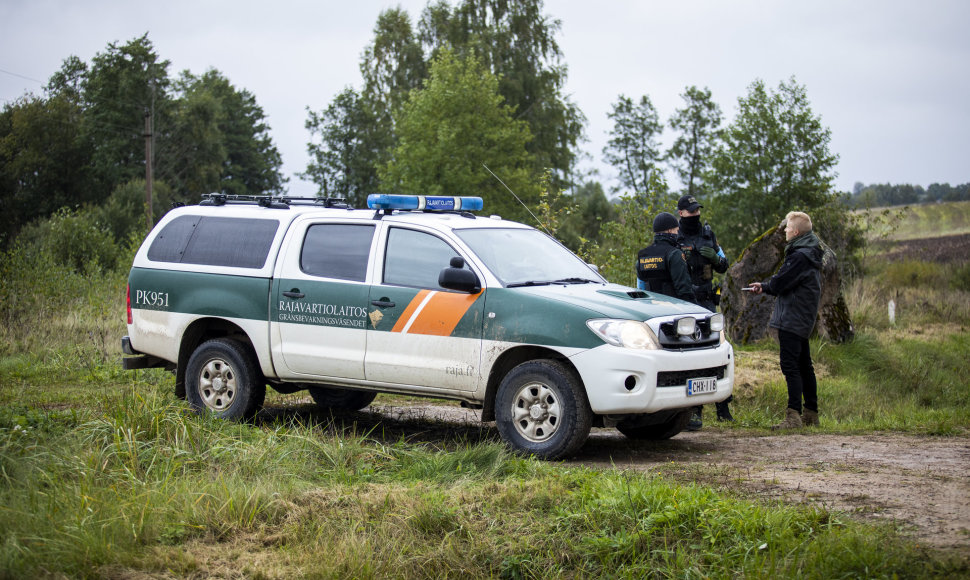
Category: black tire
<point>659,431</point>
<point>343,399</point>
<point>222,378</point>
<point>541,409</point>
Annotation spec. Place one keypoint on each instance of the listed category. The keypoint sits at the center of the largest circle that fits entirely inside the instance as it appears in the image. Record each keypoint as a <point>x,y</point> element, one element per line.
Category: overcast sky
<point>891,79</point>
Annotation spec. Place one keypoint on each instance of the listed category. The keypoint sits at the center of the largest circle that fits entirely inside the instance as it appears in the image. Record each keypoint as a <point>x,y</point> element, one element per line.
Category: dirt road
<point>921,483</point>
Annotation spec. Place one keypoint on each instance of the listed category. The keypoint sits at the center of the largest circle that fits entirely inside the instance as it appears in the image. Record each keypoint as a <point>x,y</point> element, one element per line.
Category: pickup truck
<point>418,296</point>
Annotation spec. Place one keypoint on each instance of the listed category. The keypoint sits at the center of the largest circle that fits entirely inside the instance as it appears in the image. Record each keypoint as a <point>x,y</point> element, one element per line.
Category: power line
<point>44,85</point>
<point>13,74</point>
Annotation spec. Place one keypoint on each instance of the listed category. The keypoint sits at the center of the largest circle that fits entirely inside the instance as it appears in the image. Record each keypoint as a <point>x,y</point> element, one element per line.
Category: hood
<point>615,301</point>
<point>810,245</point>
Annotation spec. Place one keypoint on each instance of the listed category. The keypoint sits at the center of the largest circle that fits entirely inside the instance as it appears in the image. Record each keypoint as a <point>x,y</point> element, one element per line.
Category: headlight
<point>625,333</point>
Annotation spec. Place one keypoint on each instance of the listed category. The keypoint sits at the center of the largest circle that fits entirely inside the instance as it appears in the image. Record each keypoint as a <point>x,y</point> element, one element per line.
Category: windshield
<point>527,257</point>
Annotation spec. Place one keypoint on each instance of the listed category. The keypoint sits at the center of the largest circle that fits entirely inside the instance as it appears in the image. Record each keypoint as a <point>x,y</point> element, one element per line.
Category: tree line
<point>82,143</point>
<point>481,84</point>
<point>886,195</point>
<point>448,100</point>
<point>772,158</point>
<point>466,99</point>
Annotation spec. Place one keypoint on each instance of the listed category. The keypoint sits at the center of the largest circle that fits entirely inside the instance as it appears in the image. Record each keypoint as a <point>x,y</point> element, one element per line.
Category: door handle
<point>383,303</point>
<point>294,294</point>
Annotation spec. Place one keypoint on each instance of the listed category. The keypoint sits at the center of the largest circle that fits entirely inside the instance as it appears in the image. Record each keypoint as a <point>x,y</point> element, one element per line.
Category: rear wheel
<point>221,378</point>
<point>343,399</point>
<point>541,409</point>
<point>658,431</point>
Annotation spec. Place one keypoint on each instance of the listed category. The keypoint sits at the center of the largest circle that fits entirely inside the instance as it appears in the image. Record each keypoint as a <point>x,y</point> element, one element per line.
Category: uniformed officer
<point>704,256</point>
<point>661,267</point>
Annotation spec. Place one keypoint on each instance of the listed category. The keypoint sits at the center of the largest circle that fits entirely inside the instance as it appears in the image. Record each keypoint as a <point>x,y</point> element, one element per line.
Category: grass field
<point>104,473</point>
<point>917,221</point>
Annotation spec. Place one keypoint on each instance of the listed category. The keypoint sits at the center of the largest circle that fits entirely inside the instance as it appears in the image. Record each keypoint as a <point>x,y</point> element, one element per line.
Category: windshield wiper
<point>548,282</point>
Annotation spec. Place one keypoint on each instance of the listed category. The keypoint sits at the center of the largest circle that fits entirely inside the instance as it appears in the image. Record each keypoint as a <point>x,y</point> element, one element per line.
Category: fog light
<point>630,383</point>
<point>685,326</point>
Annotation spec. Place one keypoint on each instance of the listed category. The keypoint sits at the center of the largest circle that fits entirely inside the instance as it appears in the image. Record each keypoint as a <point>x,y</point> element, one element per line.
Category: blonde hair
<point>800,220</point>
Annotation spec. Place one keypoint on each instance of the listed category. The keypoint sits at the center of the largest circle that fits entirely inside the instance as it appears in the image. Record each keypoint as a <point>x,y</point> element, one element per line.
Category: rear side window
<point>337,251</point>
<point>215,241</point>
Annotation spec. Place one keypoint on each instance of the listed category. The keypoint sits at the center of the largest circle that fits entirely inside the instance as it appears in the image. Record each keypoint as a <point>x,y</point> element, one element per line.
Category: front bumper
<point>623,381</point>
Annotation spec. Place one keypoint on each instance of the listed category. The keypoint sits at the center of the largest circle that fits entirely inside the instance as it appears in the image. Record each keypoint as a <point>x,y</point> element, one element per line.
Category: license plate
<point>701,386</point>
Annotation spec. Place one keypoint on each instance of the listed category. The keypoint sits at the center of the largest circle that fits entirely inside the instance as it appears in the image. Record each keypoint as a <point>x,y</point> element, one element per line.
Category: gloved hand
<point>709,253</point>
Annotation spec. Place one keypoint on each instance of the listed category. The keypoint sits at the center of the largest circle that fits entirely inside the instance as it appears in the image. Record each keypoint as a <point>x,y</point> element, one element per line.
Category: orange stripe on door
<point>442,313</point>
<point>409,311</point>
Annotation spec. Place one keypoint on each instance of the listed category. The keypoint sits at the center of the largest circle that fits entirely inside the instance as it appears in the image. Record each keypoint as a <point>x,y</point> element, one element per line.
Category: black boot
<point>695,422</point>
<point>723,412</point>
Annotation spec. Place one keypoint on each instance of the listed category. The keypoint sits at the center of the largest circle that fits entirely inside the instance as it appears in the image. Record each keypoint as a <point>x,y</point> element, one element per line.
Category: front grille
<point>680,378</point>
<point>704,337</point>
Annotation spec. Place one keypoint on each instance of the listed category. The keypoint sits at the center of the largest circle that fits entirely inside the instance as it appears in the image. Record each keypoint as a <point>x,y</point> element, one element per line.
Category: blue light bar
<point>423,202</point>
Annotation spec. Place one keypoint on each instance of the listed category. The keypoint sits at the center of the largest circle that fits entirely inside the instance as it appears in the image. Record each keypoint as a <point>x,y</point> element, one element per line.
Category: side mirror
<point>456,277</point>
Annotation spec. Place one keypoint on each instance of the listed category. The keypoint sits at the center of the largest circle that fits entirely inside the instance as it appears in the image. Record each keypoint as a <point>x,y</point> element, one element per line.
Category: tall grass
<point>47,306</point>
<point>149,486</point>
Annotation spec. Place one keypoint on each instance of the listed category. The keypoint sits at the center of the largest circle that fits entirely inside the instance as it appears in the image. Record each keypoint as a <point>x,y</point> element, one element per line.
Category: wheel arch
<point>512,358</point>
<point>201,330</point>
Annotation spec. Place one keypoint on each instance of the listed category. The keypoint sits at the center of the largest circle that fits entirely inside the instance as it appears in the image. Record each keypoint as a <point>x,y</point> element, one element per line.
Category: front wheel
<point>541,409</point>
<point>222,378</point>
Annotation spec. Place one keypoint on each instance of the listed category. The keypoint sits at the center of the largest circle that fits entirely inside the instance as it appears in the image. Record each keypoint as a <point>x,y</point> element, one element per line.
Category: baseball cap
<point>689,203</point>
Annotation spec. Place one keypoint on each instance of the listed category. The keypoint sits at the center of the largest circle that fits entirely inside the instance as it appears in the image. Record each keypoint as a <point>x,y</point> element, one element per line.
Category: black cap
<point>689,203</point>
<point>664,221</point>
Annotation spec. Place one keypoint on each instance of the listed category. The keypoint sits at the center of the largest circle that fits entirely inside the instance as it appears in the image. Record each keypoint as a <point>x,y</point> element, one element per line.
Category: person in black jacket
<point>704,256</point>
<point>661,267</point>
<point>798,288</point>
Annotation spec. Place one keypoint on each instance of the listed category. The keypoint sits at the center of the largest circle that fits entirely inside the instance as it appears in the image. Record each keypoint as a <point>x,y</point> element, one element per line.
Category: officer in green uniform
<point>704,256</point>
<point>661,267</point>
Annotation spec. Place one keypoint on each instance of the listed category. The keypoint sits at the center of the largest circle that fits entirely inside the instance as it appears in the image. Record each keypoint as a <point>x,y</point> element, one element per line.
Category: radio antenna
<point>538,221</point>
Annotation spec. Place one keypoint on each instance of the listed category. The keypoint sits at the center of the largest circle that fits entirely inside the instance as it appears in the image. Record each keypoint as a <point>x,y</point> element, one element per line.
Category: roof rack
<point>273,201</point>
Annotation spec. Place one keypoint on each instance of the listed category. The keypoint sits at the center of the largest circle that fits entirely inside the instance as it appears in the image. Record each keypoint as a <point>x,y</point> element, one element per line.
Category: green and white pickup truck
<point>417,296</point>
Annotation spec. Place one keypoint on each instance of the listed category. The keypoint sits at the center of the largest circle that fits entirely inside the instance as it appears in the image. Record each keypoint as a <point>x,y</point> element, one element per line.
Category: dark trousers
<point>796,365</point>
<point>723,405</point>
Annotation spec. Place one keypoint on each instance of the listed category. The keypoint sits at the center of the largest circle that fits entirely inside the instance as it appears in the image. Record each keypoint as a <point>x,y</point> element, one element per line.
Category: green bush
<point>124,212</point>
<point>47,303</point>
<point>34,285</point>
<point>74,238</point>
<point>616,251</point>
<point>960,278</point>
<point>914,274</point>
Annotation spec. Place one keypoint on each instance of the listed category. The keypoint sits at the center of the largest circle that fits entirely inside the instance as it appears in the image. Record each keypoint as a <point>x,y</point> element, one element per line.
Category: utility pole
<point>148,171</point>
